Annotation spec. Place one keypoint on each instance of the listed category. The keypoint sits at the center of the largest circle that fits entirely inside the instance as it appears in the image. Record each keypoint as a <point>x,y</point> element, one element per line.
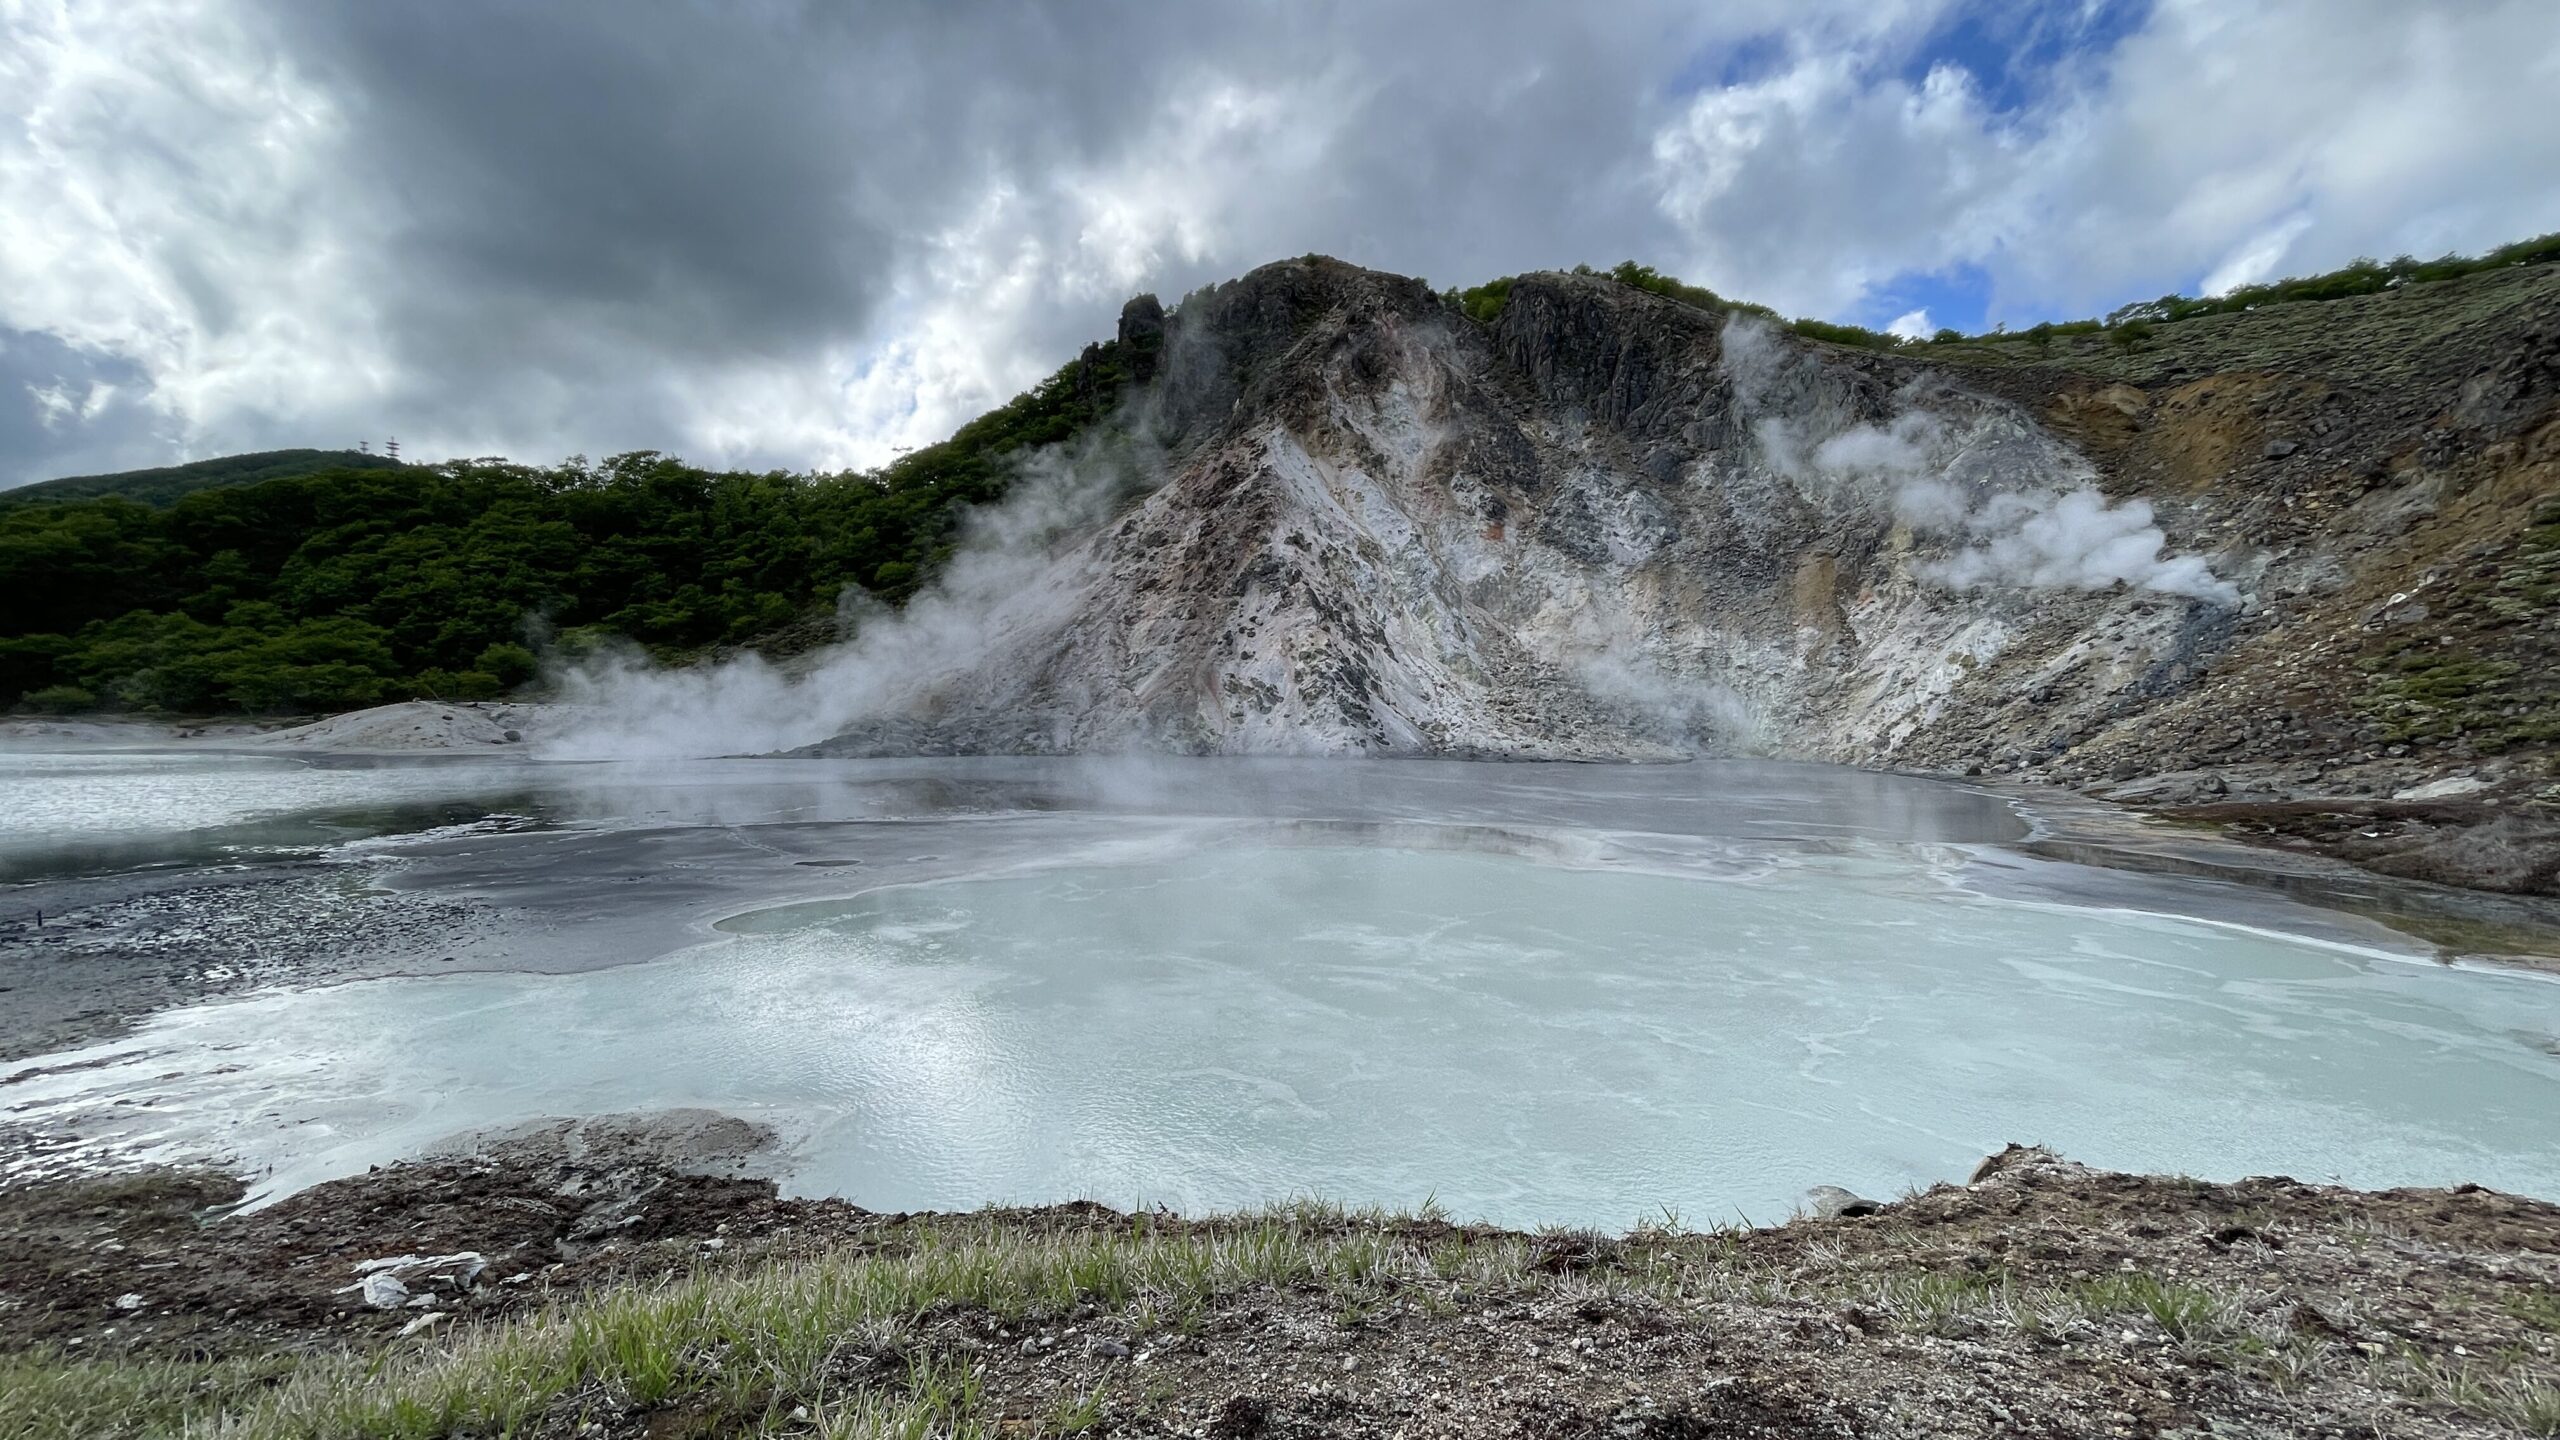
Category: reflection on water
<point>100,810</point>
<point>107,809</point>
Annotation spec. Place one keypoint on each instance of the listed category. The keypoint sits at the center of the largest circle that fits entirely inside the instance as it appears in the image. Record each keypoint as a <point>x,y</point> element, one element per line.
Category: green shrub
<point>1845,334</point>
<point>2363,276</point>
<point>458,685</point>
<point>1483,303</point>
<point>60,700</point>
<point>506,662</point>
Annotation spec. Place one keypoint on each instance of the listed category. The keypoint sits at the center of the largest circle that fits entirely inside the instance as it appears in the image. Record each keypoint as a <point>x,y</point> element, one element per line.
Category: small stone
<point>128,1301</point>
<point>2278,449</point>
<point>1830,1202</point>
<point>1110,1349</point>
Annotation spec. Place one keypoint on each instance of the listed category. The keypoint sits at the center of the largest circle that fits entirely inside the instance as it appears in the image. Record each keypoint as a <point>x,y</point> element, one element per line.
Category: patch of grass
<point>2521,1403</point>
<point>1942,1302</point>
<point>839,1338</point>
<point>1076,1414</point>
<point>737,1343</point>
<point>46,1394</point>
<point>2539,1308</point>
<point>2420,691</point>
<point>2188,1314</point>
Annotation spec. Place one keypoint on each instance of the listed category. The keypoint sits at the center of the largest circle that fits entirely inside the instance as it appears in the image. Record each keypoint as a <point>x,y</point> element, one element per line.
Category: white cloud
<point>2258,257</point>
<point>53,403</point>
<point>165,189</point>
<point>821,237</point>
<point>2235,139</point>
<point>1911,325</point>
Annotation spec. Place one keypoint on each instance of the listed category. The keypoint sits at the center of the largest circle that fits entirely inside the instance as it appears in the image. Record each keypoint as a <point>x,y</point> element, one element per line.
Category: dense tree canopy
<point>160,486</point>
<point>351,586</point>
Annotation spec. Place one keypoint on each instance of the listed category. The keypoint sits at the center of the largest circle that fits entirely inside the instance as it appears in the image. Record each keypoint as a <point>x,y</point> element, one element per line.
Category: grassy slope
<point>2377,339</point>
<point>2057,1292</point>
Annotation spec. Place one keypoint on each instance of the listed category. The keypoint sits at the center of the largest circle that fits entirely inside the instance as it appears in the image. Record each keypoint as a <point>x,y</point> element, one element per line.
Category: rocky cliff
<point>2313,549</point>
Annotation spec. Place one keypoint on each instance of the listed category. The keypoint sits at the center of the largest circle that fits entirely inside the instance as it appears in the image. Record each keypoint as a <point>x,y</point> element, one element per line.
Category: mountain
<point>2304,549</point>
<point>168,483</point>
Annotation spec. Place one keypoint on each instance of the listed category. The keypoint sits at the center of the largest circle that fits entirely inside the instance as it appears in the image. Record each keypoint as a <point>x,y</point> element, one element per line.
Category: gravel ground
<point>147,943</point>
<point>2043,1299</point>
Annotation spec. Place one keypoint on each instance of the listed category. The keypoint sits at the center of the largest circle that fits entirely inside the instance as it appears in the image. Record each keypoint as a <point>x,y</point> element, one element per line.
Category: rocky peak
<point>1142,336</point>
<point>1612,524</point>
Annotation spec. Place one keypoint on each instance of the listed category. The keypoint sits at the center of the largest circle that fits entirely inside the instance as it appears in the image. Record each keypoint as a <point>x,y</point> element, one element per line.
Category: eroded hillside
<point>2306,549</point>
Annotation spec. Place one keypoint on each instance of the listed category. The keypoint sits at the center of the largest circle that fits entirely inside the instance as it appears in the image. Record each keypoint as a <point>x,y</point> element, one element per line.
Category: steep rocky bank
<point>2306,554</point>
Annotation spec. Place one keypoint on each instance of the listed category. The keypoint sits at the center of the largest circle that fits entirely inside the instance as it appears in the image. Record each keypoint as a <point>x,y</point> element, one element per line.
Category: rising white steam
<point>1685,711</point>
<point>1956,480</point>
<point>1016,576</point>
<point>2079,539</point>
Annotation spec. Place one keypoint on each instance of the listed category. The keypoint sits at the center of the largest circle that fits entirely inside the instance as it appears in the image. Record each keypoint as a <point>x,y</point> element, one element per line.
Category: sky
<point>804,235</point>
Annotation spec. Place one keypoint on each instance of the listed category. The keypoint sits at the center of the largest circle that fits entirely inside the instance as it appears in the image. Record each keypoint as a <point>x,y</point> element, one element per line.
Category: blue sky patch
<point>1959,295</point>
<point>2012,48</point>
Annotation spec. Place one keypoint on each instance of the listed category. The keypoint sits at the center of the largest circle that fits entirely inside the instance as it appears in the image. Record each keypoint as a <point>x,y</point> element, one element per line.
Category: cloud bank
<point>810,234</point>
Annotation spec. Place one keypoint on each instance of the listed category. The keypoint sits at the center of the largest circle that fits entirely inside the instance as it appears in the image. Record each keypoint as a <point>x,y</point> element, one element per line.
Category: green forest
<point>356,584</point>
<point>161,486</point>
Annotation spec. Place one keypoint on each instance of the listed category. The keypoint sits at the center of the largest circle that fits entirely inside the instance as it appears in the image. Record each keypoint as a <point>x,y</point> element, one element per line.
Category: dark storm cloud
<point>585,187</point>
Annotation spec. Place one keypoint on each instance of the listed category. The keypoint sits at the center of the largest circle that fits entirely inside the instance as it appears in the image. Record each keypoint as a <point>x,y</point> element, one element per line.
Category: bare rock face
<point>1610,526</point>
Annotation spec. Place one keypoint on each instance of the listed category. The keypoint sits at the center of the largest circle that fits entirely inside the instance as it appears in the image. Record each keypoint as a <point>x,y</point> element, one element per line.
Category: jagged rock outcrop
<point>1609,525</point>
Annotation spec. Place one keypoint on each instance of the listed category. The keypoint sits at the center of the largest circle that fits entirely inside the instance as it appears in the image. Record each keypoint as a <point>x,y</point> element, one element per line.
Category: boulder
<point>1830,1202</point>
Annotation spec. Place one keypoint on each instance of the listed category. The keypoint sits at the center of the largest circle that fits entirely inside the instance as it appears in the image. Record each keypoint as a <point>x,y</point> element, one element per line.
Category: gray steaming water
<point>1538,993</point>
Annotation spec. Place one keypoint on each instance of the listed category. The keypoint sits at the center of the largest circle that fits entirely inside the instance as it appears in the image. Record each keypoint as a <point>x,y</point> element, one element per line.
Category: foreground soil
<point>2042,1299</point>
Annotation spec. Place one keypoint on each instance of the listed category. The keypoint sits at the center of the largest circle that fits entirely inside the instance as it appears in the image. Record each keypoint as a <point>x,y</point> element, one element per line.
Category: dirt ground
<point>2044,1299</point>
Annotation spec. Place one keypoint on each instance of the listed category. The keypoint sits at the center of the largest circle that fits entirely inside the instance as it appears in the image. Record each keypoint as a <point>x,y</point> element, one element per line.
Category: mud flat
<point>620,1278</point>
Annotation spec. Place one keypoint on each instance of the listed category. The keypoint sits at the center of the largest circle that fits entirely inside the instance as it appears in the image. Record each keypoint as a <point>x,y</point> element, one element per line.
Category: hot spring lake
<point>1532,993</point>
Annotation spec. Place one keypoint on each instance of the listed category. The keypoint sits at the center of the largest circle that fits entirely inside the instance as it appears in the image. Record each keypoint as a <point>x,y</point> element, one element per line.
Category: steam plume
<point>1014,577</point>
<point>1948,478</point>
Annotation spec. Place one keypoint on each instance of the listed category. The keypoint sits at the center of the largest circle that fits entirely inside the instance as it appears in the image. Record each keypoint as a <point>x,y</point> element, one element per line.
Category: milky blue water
<point>1580,1036</point>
